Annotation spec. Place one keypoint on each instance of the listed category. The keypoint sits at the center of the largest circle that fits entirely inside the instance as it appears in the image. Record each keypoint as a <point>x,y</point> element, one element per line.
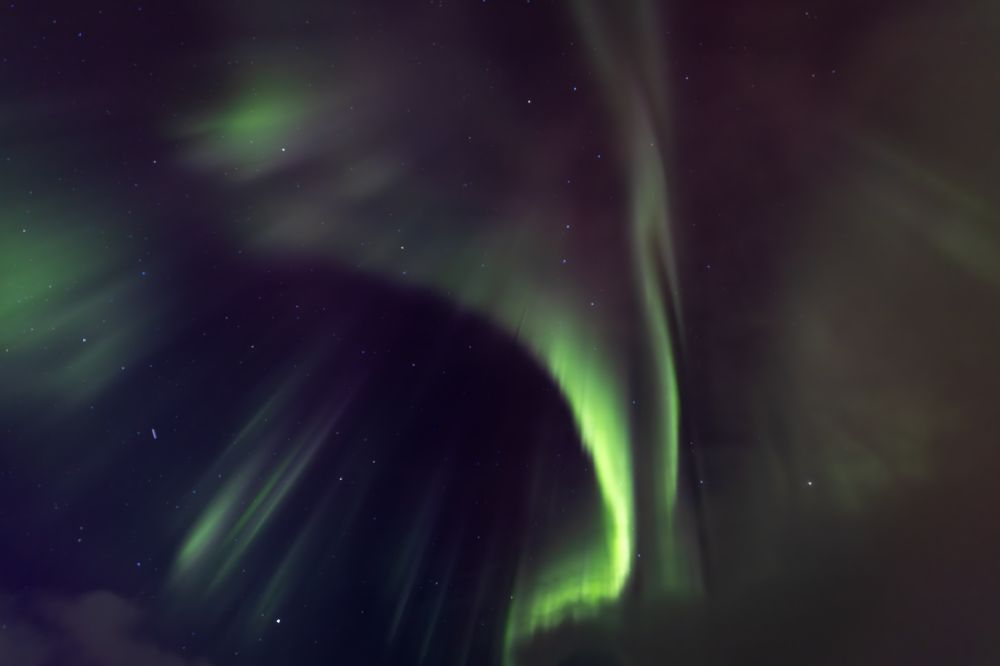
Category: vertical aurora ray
<point>410,563</point>
<point>649,211</point>
<point>628,53</point>
<point>207,529</point>
<point>286,574</point>
<point>242,509</point>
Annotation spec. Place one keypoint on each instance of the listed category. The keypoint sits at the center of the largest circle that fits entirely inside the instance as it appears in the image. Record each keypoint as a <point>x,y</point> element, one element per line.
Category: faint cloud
<point>94,629</point>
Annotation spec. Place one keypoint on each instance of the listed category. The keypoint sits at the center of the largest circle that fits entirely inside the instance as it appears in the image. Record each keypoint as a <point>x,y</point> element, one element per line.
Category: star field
<point>488,332</point>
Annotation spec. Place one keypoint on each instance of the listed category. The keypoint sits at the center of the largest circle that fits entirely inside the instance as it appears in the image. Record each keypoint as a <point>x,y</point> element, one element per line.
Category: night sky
<point>506,332</point>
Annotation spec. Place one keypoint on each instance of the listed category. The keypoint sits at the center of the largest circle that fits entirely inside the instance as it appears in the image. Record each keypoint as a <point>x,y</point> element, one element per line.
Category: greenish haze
<point>597,354</point>
<point>71,315</point>
<point>249,134</point>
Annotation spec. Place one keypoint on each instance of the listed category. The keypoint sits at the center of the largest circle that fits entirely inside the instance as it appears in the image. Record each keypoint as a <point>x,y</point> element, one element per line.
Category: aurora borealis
<point>487,332</point>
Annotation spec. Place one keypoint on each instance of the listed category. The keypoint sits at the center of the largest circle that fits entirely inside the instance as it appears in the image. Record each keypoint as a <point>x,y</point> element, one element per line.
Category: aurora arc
<point>587,357</point>
<point>531,333</point>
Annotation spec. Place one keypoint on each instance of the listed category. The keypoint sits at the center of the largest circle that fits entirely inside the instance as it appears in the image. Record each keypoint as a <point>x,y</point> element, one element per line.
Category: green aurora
<point>595,365</point>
